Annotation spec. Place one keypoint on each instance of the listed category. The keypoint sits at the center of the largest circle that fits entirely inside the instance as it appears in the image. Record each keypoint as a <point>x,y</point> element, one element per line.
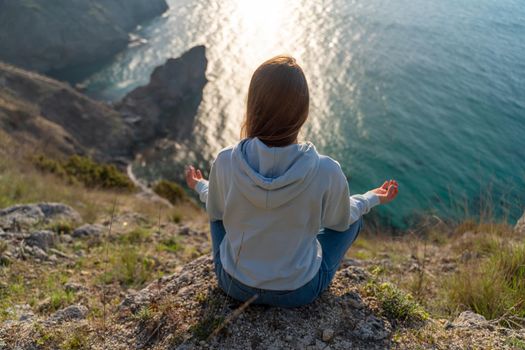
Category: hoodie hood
<point>272,176</point>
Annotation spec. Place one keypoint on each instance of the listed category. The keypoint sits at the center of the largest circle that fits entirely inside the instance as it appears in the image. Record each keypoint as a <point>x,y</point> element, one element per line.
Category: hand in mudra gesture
<point>387,192</point>
<point>193,176</point>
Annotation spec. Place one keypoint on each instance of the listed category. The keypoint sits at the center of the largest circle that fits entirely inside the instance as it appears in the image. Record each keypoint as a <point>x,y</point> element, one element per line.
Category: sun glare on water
<point>265,27</point>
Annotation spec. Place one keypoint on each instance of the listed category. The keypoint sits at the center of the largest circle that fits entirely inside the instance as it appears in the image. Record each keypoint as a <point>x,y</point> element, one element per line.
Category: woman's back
<point>273,201</point>
<point>281,216</point>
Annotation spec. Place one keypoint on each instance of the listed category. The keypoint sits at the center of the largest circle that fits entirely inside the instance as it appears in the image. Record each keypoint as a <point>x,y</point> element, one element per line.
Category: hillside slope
<point>54,118</point>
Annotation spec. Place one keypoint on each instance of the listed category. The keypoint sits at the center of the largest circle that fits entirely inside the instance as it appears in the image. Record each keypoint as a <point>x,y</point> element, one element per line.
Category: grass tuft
<point>136,236</point>
<point>129,268</point>
<point>169,245</point>
<point>206,326</point>
<point>395,303</point>
<point>493,287</point>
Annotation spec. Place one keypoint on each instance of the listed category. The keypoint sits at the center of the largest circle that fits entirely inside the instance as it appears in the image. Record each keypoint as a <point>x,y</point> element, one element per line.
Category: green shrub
<point>395,303</point>
<point>85,170</point>
<point>169,190</point>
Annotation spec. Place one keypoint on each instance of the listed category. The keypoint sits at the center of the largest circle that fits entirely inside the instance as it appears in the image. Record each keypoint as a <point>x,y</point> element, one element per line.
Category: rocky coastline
<point>56,119</point>
<point>52,36</point>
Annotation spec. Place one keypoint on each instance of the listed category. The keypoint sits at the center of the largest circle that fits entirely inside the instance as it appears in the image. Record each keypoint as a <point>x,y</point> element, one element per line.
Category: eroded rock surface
<point>339,319</point>
<point>167,106</point>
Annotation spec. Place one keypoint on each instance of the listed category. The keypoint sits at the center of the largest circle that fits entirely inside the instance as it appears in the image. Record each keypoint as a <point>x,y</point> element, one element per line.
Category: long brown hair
<point>278,102</point>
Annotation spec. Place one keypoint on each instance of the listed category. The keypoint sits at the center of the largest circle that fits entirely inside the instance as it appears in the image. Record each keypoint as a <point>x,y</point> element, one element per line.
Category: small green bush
<point>395,303</point>
<point>85,170</point>
<point>169,190</point>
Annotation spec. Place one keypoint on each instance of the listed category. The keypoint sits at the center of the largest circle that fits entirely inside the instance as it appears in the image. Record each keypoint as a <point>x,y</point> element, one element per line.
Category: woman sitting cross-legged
<point>281,214</point>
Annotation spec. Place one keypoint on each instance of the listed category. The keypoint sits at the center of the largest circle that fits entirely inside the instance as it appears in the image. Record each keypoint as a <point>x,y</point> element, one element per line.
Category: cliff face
<point>166,107</point>
<point>53,117</point>
<point>65,33</point>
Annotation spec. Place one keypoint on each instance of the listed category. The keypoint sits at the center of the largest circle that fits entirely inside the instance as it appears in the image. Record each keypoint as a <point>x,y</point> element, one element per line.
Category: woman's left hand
<point>387,192</point>
<point>193,176</point>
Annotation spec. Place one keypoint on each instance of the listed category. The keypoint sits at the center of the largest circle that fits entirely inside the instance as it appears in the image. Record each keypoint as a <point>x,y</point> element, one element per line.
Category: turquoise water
<point>431,93</point>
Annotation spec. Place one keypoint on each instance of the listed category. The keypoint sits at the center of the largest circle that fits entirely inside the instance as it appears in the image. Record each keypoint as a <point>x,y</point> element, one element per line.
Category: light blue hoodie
<point>273,201</point>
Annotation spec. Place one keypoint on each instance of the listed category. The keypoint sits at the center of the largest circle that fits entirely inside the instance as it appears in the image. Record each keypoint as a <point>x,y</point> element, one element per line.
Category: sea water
<point>431,93</point>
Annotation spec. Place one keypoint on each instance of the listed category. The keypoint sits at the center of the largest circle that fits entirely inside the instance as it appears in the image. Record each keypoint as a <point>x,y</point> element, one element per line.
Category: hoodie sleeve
<point>340,210</point>
<point>211,192</point>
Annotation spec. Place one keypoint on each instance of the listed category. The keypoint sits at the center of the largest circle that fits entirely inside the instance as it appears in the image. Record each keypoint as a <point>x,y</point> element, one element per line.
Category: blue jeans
<point>334,245</point>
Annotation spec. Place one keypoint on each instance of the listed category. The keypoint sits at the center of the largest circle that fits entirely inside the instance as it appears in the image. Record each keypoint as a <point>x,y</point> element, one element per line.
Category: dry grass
<point>474,265</point>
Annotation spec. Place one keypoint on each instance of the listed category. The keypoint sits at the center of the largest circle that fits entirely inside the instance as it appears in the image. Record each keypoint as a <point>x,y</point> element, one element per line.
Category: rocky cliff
<point>53,117</point>
<point>53,35</point>
<point>166,107</point>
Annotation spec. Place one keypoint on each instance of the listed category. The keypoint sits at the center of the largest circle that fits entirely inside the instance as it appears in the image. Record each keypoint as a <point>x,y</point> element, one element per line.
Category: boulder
<point>70,313</point>
<point>88,230</point>
<point>27,215</point>
<point>469,319</point>
<point>42,239</point>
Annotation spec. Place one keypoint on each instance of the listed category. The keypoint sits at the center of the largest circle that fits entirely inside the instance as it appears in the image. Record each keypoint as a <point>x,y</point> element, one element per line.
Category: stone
<point>66,238</point>
<point>520,225</point>
<point>42,239</point>
<point>88,230</point>
<point>469,319</point>
<point>70,313</point>
<point>354,300</point>
<point>73,287</point>
<point>22,313</point>
<point>328,334</point>
<point>27,215</point>
<point>39,253</point>
<point>372,328</point>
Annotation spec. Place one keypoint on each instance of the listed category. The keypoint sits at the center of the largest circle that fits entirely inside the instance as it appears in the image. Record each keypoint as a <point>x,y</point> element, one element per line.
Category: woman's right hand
<point>387,192</point>
<point>193,176</point>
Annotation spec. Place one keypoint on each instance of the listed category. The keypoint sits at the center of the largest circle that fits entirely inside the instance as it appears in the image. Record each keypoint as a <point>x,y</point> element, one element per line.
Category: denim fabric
<point>334,245</point>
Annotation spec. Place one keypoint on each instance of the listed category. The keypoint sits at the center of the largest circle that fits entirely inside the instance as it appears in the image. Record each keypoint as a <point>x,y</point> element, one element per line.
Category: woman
<point>281,215</point>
